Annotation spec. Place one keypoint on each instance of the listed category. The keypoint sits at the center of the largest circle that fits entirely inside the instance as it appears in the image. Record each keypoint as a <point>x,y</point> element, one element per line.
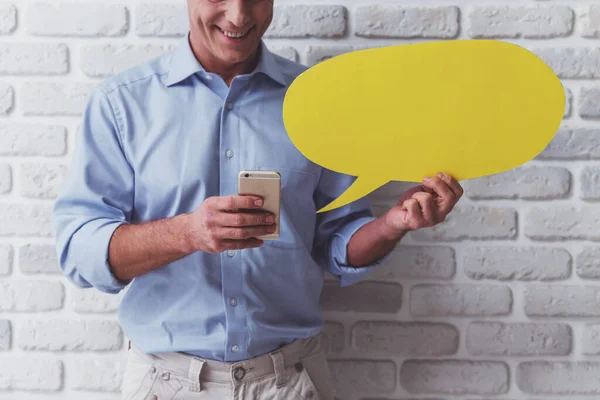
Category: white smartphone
<point>266,184</point>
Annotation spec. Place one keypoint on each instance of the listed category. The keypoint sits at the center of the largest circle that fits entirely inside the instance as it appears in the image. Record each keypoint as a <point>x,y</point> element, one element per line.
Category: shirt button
<point>209,77</point>
<point>233,302</point>
<point>229,153</point>
<point>235,348</point>
<point>230,253</point>
<point>153,397</point>
<point>229,106</point>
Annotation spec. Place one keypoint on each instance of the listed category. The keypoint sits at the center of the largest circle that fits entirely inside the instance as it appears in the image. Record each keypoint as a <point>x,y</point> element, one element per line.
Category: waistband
<point>199,370</point>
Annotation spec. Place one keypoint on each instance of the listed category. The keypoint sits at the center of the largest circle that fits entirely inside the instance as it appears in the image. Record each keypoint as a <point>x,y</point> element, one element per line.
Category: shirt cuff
<point>92,242</point>
<point>339,264</point>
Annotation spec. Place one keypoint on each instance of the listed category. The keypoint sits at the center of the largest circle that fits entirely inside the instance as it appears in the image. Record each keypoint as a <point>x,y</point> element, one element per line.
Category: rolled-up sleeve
<point>335,228</point>
<point>95,199</point>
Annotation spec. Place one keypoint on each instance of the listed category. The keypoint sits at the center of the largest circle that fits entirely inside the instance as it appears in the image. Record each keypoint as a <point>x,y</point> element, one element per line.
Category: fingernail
<point>426,179</point>
<point>270,219</point>
<point>258,203</point>
<point>440,175</point>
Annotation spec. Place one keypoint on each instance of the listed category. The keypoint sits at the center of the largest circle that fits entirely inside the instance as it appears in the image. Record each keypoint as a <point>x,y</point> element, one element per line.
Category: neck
<point>225,70</point>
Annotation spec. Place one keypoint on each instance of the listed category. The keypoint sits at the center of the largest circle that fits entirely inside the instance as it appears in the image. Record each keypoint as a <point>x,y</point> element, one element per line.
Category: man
<point>150,201</point>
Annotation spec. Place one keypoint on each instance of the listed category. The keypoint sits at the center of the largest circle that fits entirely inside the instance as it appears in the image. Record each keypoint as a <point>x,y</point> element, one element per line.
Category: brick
<point>572,62</point>
<point>360,376</point>
<point>161,20</point>
<point>70,335</point>
<point>97,375</point>
<point>6,259</point>
<point>55,99</point>
<point>568,103</point>
<point>386,339</point>
<point>397,21</point>
<point>469,222</point>
<point>41,180</point>
<point>466,300</point>
<point>362,297</point>
<point>34,59</point>
<point>22,139</point>
<point>104,60</point>
<point>587,264</point>
<point>38,259</point>
<point>589,100</point>
<point>590,340</point>
<point>333,338</point>
<point>8,18</point>
<point>558,378</point>
<point>7,99</point>
<point>320,53</point>
<point>295,21</point>
<point>31,296</point>
<point>590,183</point>
<point>562,301</point>
<point>90,300</point>
<point>417,262</point>
<point>573,144</point>
<point>5,178</point>
<point>35,374</point>
<point>517,264</point>
<point>561,223</point>
<point>456,377</point>
<point>529,183</point>
<point>287,52</point>
<point>590,22</point>
<point>5,335</point>
<point>90,19</point>
<point>530,22</point>
<point>516,339</point>
<point>26,220</point>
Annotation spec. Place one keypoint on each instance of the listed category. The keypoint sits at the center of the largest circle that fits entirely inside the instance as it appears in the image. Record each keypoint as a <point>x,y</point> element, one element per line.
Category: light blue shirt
<point>155,142</point>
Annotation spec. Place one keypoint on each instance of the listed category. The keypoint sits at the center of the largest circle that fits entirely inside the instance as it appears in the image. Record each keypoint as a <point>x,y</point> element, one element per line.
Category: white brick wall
<point>501,301</point>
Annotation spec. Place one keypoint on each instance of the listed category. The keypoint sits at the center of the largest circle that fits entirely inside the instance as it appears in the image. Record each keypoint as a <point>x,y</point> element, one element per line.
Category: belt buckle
<point>239,373</point>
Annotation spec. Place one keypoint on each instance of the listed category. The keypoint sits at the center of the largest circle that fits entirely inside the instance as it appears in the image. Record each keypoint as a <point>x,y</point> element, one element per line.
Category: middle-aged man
<point>150,202</point>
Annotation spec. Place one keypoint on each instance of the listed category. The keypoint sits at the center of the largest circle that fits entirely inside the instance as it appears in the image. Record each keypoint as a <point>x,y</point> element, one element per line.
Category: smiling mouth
<point>234,35</point>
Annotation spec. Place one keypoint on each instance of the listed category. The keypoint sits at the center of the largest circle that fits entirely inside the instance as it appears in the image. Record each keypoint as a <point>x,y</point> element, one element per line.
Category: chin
<point>236,56</point>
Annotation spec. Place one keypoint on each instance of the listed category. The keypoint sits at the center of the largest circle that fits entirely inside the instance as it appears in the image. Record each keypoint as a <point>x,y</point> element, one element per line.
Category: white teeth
<point>233,34</point>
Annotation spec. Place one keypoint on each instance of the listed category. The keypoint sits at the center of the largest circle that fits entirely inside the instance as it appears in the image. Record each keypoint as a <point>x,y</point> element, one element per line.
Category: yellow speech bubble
<point>469,108</point>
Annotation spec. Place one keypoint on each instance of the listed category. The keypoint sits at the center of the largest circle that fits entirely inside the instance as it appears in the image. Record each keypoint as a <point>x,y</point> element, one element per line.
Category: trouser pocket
<point>313,380</point>
<point>143,380</point>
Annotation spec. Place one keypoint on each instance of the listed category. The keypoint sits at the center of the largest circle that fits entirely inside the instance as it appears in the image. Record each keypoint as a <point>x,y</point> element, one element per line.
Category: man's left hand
<point>424,206</point>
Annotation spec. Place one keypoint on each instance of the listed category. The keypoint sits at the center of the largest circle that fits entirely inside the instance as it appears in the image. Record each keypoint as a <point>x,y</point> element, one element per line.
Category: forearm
<point>135,250</point>
<point>372,242</point>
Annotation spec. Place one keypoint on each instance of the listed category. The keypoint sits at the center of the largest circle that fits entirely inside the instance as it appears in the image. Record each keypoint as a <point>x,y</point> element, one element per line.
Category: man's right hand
<point>228,223</point>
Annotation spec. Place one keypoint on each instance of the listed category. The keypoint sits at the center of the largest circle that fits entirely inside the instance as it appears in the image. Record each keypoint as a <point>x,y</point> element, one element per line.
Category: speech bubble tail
<point>360,188</point>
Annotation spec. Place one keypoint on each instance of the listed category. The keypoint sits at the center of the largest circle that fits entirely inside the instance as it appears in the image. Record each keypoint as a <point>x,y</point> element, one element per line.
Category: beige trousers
<point>297,371</point>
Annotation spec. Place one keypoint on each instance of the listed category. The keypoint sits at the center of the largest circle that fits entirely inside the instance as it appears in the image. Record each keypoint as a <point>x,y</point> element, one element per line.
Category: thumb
<point>408,194</point>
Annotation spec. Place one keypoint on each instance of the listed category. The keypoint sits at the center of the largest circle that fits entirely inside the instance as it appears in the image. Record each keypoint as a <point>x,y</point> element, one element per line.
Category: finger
<point>452,184</point>
<point>245,232</point>
<point>233,202</point>
<point>238,219</point>
<point>448,198</point>
<point>232,244</point>
<point>413,212</point>
<point>427,206</point>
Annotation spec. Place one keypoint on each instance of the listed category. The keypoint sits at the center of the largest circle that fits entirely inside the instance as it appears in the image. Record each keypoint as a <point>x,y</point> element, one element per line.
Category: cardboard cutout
<point>469,108</point>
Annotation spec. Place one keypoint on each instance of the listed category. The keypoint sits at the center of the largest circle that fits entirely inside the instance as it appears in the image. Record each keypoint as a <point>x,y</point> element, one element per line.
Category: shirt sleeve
<point>336,227</point>
<point>95,198</point>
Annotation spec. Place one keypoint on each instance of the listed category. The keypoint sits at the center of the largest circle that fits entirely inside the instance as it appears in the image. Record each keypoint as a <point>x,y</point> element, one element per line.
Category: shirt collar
<point>184,64</point>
